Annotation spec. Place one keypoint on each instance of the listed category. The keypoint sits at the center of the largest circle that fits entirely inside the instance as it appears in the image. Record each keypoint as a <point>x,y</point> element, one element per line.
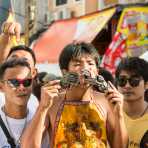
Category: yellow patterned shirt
<point>80,125</point>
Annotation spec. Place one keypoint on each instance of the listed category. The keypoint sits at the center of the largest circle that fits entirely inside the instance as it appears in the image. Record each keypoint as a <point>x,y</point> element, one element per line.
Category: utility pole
<point>26,22</point>
<point>30,19</point>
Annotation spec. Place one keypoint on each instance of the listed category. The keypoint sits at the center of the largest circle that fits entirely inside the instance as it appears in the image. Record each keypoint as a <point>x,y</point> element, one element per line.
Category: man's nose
<point>21,87</point>
<point>85,66</point>
<point>127,84</point>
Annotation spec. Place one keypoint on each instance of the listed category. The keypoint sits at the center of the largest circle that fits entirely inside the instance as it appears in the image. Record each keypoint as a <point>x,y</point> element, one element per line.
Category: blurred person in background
<point>132,81</point>
<point>16,84</point>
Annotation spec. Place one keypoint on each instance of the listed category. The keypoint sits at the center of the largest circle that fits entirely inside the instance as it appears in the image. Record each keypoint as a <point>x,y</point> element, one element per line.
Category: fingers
<point>54,83</point>
<point>53,87</point>
<point>12,28</point>
<point>52,94</point>
<point>114,97</point>
<point>112,86</point>
<point>48,94</point>
<point>115,100</point>
<point>7,28</point>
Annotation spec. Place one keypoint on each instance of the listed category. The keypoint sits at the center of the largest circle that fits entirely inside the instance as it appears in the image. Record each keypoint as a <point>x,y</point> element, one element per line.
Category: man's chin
<point>22,104</point>
<point>22,99</point>
<point>129,99</point>
<point>84,85</point>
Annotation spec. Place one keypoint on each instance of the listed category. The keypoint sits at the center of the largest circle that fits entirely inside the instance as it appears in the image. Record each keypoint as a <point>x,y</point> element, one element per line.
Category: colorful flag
<point>133,24</point>
<point>130,39</point>
<point>114,53</point>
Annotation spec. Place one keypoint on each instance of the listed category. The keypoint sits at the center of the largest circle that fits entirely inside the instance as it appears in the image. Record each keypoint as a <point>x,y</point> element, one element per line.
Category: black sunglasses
<point>133,81</point>
<point>17,82</point>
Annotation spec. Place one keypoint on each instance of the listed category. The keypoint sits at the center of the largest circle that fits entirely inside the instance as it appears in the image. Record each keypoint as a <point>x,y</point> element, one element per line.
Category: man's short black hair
<point>75,50</point>
<point>25,48</point>
<point>11,63</point>
<point>134,65</point>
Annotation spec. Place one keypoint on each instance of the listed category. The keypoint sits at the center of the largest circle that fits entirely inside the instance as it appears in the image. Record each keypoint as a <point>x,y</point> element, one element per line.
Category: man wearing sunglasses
<point>132,81</point>
<point>10,29</point>
<point>16,83</point>
<point>8,51</point>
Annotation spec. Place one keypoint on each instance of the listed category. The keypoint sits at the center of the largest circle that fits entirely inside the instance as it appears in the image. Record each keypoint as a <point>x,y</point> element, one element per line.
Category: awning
<point>49,45</point>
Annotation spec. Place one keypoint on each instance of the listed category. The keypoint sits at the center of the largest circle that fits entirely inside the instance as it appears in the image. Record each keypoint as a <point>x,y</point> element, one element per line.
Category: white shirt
<point>14,126</point>
<point>17,125</point>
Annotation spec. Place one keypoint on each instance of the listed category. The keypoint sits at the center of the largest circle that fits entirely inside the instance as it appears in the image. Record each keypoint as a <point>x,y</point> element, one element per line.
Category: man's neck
<point>135,109</point>
<point>14,111</point>
<point>78,94</point>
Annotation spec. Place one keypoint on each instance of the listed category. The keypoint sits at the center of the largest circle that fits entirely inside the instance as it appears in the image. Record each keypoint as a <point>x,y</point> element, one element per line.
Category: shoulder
<point>101,102</point>
<point>2,113</point>
<point>100,99</point>
<point>32,104</point>
<point>2,99</point>
<point>3,139</point>
<point>30,115</point>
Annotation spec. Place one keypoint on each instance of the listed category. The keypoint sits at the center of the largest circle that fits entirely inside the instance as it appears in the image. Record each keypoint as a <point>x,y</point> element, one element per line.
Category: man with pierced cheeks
<point>79,116</point>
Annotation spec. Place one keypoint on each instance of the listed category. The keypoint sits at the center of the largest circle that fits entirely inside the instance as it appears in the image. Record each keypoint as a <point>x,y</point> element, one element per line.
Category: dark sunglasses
<point>133,81</point>
<point>17,82</point>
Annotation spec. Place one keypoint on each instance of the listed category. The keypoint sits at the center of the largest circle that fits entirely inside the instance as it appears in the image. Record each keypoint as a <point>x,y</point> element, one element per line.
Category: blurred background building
<point>36,16</point>
<point>40,13</point>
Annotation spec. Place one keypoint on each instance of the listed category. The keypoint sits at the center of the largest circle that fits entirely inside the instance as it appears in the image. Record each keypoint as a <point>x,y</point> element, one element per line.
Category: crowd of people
<point>84,112</point>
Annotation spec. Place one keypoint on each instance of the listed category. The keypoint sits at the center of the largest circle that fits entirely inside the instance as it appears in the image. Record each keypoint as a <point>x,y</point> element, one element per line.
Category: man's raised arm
<point>9,30</point>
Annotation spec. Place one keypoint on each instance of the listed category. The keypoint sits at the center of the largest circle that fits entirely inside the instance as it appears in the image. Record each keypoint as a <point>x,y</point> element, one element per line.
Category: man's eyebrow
<point>24,58</point>
<point>76,60</point>
<point>13,55</point>
<point>90,60</point>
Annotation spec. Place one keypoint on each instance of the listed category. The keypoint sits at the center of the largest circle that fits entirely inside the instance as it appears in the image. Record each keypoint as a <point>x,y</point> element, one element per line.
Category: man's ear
<point>34,72</point>
<point>146,85</point>
<point>1,85</point>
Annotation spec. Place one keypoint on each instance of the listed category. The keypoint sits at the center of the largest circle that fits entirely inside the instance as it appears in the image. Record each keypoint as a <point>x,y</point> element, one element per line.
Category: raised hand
<point>12,28</point>
<point>115,98</point>
<point>49,92</point>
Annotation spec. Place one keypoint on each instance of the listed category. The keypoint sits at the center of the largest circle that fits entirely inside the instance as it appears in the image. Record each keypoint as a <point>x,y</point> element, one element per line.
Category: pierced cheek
<point>93,73</point>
